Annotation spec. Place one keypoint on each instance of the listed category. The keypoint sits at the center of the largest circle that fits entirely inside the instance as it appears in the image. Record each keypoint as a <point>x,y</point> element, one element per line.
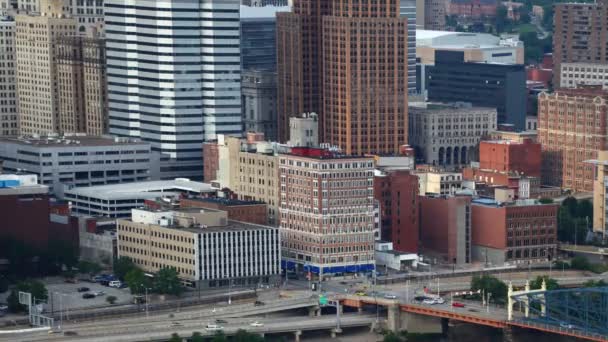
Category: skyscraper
<point>580,34</point>
<point>9,125</point>
<point>348,62</point>
<point>174,76</point>
<point>35,61</point>
<point>407,9</point>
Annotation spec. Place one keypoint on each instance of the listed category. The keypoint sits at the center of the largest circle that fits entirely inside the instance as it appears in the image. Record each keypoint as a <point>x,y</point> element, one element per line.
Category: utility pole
<point>375,294</point>
<point>575,232</point>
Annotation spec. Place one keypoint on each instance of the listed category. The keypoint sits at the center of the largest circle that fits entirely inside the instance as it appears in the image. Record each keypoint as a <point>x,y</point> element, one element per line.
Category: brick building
<point>513,233</point>
<point>397,192</point>
<point>511,157</point>
<point>326,211</point>
<point>244,211</point>
<point>348,63</point>
<point>473,8</point>
<point>579,35</point>
<point>572,127</point>
<point>211,160</point>
<point>445,228</point>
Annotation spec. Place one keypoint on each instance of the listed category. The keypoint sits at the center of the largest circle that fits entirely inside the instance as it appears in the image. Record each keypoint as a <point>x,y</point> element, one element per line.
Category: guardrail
<point>559,330</point>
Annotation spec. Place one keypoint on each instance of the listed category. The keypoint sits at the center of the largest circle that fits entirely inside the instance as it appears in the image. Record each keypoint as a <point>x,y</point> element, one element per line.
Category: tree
<point>550,282</point>
<point>584,209</point>
<point>137,281</point>
<point>167,282</point>
<point>501,19</point>
<point>122,266</point>
<point>571,204</point>
<point>392,337</point>
<point>533,49</point>
<point>3,284</point>
<point>219,337</point>
<point>490,284</point>
<point>580,263</point>
<point>88,267</point>
<point>245,336</point>
<point>111,299</point>
<point>524,16</point>
<point>197,337</point>
<point>36,288</point>
<point>175,338</point>
<point>62,253</point>
<point>545,200</point>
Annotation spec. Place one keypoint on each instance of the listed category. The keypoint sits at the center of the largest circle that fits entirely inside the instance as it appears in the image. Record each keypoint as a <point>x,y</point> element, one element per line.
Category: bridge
<point>580,313</point>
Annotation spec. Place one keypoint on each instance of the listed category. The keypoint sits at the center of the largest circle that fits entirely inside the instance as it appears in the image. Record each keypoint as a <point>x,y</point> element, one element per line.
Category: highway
<point>163,329</point>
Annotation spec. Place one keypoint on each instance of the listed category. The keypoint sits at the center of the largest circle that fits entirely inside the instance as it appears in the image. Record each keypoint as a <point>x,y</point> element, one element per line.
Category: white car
<point>257,324</point>
<point>99,293</point>
<point>213,327</point>
<point>390,296</point>
<point>429,301</point>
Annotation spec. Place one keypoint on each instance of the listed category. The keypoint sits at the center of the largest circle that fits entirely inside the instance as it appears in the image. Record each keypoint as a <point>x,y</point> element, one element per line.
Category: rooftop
<point>142,190</point>
<point>518,203</point>
<point>224,201</point>
<point>250,12</point>
<point>71,140</point>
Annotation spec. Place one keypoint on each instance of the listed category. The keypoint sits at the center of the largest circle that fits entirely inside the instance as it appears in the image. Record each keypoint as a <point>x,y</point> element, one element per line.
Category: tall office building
<point>168,88</point>
<point>326,211</point>
<point>81,84</point>
<point>88,13</point>
<point>9,125</point>
<point>407,9</point>
<point>347,62</point>
<point>259,37</point>
<point>572,127</point>
<point>35,61</point>
<point>580,34</point>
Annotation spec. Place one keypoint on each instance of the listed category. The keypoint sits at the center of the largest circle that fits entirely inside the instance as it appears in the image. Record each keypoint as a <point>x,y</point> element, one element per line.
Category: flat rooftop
<point>69,140</point>
<point>259,12</point>
<point>142,190</point>
<point>224,201</point>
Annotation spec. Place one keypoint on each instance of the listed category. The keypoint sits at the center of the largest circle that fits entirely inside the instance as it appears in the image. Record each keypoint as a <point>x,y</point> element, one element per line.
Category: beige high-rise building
<point>600,190</point>
<point>81,84</point>
<point>8,95</point>
<point>37,91</point>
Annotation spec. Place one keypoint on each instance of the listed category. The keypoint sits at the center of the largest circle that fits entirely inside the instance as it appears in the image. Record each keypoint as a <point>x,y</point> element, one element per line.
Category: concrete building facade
<point>326,211</point>
<point>513,233</point>
<point>9,123</point>
<point>259,100</point>
<point>600,190</point>
<point>572,127</point>
<point>511,157</point>
<point>473,9</point>
<point>304,130</point>
<point>447,134</point>
<point>573,75</point>
<point>439,183</point>
<point>445,228</point>
<point>37,89</point>
<point>237,210</point>
<point>203,246</point>
<point>81,84</point>
<point>79,160</point>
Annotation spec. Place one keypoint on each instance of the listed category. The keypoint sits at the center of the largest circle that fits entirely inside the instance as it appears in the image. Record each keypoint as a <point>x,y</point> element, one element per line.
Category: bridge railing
<point>558,329</point>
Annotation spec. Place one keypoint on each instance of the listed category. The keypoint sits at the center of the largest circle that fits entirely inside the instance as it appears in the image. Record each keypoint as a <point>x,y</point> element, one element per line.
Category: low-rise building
<point>445,228</point>
<point>397,193</point>
<point>202,245</point>
<point>117,200</point>
<point>513,233</point>
<point>573,75</point>
<point>447,134</point>
<point>386,257</point>
<point>522,158</point>
<point>238,210</point>
<point>78,160</point>
<point>304,130</point>
<point>436,182</point>
<point>600,190</point>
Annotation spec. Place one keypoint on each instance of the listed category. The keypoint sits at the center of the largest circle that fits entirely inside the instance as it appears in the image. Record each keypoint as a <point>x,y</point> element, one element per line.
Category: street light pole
<point>147,300</point>
<point>229,291</point>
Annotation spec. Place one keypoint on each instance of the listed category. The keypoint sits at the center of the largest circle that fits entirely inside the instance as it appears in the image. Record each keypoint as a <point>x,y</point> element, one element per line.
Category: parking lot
<point>66,295</point>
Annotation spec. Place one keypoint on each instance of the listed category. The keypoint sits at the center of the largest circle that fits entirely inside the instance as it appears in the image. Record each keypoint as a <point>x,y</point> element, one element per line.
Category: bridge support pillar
<point>394,318</point>
<point>507,334</point>
<point>314,311</point>
<point>360,310</point>
<point>416,323</point>
<point>527,301</point>
<point>335,331</point>
<point>297,334</point>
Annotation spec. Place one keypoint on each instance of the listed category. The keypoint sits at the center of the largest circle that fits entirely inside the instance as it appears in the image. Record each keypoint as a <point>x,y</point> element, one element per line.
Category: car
<point>88,296</point>
<point>458,305</point>
<point>439,300</point>
<point>221,321</point>
<point>176,324</point>
<point>343,283</point>
<point>213,327</point>
<point>429,301</point>
<point>390,296</point>
<point>420,298</point>
<point>99,293</point>
<point>3,307</point>
<point>360,293</point>
<point>567,325</point>
<point>83,289</point>
<point>473,310</point>
<point>70,280</point>
<point>257,324</point>
<point>70,333</point>
<point>258,303</point>
<point>115,283</point>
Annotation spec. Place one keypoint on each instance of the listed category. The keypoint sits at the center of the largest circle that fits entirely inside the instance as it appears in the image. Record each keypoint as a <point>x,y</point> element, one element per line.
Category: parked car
<point>88,296</point>
<point>258,303</point>
<point>257,324</point>
<point>83,289</point>
<point>213,327</point>
<point>70,280</point>
<point>567,325</point>
<point>221,321</point>
<point>429,301</point>
<point>390,296</point>
<point>70,333</point>
<point>360,293</point>
<point>99,293</point>
<point>458,305</point>
<point>115,283</point>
